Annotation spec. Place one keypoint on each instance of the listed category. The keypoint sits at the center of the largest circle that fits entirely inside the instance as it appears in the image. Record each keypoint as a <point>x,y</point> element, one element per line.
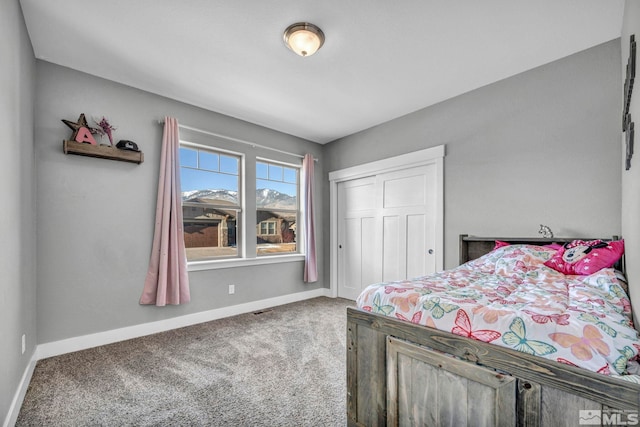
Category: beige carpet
<point>282,367</point>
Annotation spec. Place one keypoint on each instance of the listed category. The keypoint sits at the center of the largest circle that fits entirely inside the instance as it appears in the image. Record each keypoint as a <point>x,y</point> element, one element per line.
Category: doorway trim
<point>434,155</point>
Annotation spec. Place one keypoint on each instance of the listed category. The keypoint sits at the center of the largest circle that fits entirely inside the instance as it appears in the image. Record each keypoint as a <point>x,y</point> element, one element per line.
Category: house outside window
<point>211,202</point>
<point>277,208</point>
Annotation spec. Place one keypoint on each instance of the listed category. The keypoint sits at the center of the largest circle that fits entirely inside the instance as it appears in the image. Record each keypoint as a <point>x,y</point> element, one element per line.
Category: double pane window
<point>212,182</point>
<point>211,202</point>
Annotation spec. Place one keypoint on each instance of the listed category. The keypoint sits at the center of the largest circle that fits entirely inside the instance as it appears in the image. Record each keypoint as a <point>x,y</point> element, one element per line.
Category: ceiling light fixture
<point>303,38</point>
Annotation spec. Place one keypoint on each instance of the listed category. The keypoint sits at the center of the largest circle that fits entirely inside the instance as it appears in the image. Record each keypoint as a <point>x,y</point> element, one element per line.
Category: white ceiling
<point>381,59</point>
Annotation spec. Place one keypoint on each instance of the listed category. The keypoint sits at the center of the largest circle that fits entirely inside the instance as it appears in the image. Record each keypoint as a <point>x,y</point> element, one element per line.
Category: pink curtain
<point>310,266</point>
<point>167,280</point>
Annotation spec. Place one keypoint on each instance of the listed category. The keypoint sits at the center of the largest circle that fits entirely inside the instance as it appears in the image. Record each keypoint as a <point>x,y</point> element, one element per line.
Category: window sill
<point>242,262</point>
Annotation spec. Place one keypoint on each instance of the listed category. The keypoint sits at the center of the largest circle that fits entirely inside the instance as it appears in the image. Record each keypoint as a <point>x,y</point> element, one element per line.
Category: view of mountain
<point>265,198</point>
<point>211,196</point>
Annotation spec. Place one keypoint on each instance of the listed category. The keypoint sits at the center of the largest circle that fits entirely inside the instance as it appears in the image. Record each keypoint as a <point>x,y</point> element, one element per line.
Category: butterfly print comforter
<point>508,297</point>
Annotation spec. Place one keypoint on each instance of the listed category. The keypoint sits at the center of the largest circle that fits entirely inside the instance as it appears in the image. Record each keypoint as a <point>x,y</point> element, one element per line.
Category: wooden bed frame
<point>397,374</point>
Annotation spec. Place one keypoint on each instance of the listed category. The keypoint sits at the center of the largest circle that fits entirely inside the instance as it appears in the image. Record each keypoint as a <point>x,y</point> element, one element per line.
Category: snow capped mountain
<point>210,196</point>
<point>265,198</point>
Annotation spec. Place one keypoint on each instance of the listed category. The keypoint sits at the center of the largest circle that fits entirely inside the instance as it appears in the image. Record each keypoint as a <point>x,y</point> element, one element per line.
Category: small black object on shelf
<point>124,144</point>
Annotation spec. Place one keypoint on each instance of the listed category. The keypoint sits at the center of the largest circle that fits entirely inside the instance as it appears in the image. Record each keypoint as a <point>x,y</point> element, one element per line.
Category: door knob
<point>430,251</point>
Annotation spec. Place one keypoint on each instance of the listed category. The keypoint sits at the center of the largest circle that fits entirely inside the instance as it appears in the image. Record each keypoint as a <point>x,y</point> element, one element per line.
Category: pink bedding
<point>510,298</point>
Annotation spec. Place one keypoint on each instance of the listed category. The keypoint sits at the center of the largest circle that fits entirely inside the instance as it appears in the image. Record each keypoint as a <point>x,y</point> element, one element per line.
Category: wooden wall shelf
<point>111,153</point>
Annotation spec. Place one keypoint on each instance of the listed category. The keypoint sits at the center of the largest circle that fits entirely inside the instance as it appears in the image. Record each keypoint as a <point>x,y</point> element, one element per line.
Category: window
<point>211,202</point>
<point>219,208</point>
<point>267,228</point>
<point>277,210</point>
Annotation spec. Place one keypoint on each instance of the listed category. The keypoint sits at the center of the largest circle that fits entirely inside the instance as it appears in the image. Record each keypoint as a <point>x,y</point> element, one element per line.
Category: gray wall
<point>631,178</point>
<point>539,147</point>
<point>95,216</point>
<point>17,217</point>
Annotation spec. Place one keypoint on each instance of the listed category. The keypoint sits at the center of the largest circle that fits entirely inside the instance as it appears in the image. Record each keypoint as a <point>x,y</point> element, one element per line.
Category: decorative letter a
<point>85,136</point>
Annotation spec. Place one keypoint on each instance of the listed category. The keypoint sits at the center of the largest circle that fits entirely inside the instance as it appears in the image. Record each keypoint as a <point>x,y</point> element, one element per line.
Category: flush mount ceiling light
<point>303,38</point>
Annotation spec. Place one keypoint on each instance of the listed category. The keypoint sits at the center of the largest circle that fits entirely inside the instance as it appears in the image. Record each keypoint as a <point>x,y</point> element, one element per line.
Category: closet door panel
<point>416,246</point>
<point>391,248</point>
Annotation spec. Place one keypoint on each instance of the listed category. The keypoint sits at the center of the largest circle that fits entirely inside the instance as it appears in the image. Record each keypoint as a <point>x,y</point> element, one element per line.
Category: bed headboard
<point>472,247</point>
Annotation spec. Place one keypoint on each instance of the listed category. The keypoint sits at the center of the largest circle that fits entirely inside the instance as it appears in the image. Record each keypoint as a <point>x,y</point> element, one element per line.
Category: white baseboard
<point>18,398</point>
<point>69,345</point>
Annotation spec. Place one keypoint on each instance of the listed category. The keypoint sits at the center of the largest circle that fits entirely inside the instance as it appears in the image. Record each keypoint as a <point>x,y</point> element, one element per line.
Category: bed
<point>424,361</point>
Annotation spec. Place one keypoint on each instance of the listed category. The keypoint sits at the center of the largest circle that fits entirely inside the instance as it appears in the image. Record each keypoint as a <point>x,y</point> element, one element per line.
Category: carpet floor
<point>282,367</point>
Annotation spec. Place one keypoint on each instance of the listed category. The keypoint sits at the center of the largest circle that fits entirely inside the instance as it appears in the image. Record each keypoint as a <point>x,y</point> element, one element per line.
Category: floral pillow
<point>583,258</point>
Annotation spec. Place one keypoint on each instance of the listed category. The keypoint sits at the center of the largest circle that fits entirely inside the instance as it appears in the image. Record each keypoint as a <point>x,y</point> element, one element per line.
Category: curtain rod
<point>242,141</point>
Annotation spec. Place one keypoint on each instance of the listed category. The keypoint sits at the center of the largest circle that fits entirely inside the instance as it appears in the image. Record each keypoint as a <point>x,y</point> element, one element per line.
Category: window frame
<point>298,211</point>
<point>240,208</point>
<point>245,232</point>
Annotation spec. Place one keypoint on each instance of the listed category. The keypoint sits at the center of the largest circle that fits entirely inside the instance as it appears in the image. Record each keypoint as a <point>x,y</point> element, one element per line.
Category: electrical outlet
<point>232,289</point>
<point>24,343</point>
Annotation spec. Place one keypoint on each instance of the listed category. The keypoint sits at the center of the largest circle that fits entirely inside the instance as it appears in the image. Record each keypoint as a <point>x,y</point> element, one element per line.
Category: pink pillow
<point>586,257</point>
<point>554,246</point>
<point>500,244</point>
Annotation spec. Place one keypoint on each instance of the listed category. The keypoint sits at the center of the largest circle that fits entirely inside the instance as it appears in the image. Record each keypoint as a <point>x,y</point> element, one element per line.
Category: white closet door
<point>386,228</point>
<point>356,235</point>
<point>406,202</point>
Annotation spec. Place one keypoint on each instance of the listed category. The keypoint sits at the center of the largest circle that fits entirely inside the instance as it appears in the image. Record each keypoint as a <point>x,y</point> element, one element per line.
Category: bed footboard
<point>397,374</point>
